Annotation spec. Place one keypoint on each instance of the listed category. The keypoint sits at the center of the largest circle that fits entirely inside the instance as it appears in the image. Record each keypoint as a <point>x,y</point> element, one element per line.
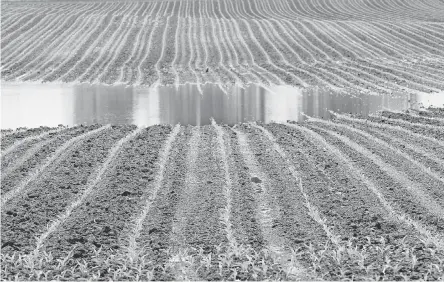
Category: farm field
<point>351,198</point>
<point>363,45</point>
<point>222,140</point>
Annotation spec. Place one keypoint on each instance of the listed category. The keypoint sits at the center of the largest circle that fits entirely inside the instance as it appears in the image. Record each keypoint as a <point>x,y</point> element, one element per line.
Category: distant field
<point>353,198</point>
<point>376,45</point>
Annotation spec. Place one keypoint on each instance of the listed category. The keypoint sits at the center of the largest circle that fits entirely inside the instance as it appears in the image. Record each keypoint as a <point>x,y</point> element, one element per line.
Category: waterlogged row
<point>351,198</point>
<point>32,105</point>
<point>383,47</point>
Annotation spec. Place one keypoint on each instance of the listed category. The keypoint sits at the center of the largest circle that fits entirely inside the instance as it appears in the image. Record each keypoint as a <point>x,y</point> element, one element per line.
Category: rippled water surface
<point>33,105</point>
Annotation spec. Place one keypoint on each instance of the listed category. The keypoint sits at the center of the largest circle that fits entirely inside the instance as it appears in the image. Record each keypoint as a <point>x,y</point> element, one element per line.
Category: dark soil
<point>99,223</point>
<point>186,212</point>
<point>25,216</point>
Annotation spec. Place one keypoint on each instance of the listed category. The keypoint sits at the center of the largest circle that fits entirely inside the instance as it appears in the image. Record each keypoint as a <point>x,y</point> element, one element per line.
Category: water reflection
<point>33,105</point>
<point>102,104</point>
<point>188,106</point>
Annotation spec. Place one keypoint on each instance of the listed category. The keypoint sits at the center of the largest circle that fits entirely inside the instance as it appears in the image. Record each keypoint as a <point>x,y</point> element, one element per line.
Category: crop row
<point>255,41</point>
<point>183,200</point>
<point>424,10</point>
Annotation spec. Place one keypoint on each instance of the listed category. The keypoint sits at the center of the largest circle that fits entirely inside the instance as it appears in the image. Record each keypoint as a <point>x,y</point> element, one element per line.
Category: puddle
<point>33,105</point>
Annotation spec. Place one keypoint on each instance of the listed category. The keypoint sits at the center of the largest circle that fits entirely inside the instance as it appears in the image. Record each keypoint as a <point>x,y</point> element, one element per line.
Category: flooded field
<point>222,140</point>
<point>32,105</point>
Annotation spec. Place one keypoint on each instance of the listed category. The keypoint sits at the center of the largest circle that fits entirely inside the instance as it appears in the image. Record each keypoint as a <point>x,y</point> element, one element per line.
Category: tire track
<point>293,222</point>
<point>184,210</point>
<point>265,213</point>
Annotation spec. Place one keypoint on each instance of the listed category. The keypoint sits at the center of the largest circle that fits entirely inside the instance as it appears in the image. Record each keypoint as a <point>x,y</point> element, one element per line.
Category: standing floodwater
<point>33,105</point>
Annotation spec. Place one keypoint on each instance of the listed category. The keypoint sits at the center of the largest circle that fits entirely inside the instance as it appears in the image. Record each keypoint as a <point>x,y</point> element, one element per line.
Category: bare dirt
<point>303,187</point>
<point>355,198</point>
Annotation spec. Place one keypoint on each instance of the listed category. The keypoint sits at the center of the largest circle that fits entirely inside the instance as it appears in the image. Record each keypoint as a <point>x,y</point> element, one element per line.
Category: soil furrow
<point>348,205</point>
<point>420,186</point>
<point>435,145</point>
<point>296,226</point>
<point>90,40</point>
<point>88,188</point>
<point>13,141</point>
<point>358,174</point>
<point>426,155</point>
<point>149,74</point>
<point>101,222</point>
<point>390,188</point>
<point>430,132</point>
<point>394,157</point>
<point>136,228</point>
<point>158,226</point>
<point>253,198</point>
<point>51,160</point>
<point>245,202</point>
<point>53,191</point>
<point>23,161</point>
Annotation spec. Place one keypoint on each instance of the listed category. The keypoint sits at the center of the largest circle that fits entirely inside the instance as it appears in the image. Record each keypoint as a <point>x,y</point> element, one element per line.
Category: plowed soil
<point>351,198</point>
<point>363,45</point>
